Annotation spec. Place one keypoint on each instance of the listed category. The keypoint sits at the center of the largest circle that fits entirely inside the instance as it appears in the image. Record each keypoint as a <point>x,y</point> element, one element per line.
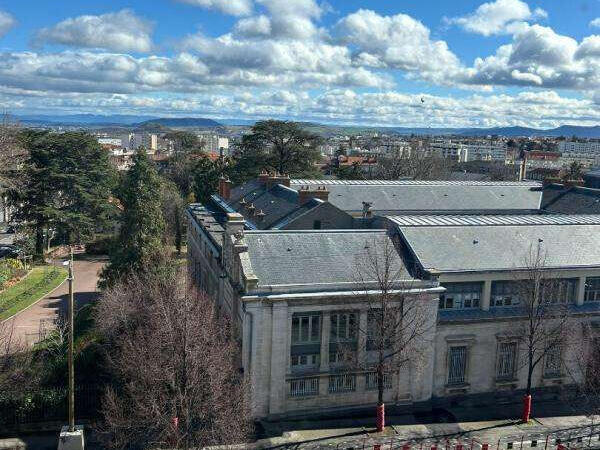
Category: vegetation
<point>172,382</point>
<point>173,209</point>
<point>34,286</point>
<point>9,269</point>
<point>140,244</point>
<point>185,141</point>
<point>66,185</point>
<point>280,146</point>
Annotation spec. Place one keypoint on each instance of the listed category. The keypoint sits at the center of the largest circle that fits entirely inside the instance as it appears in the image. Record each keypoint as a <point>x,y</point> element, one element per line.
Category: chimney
<point>260,215</point>
<point>263,177</point>
<point>523,168</point>
<point>235,223</point>
<point>272,180</point>
<point>251,209</point>
<point>367,211</point>
<point>305,194</point>
<point>224,188</point>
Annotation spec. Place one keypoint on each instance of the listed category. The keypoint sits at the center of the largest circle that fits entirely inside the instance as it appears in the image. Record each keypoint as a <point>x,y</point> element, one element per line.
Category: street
<point>32,323</point>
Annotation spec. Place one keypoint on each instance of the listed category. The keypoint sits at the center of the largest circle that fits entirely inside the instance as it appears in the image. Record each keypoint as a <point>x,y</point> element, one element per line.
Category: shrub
<point>102,245</point>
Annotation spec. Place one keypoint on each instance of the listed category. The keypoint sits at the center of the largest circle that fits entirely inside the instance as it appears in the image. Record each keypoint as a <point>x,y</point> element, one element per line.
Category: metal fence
<point>47,405</point>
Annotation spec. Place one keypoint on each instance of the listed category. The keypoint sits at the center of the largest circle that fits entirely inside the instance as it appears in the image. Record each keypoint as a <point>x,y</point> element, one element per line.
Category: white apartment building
<point>470,150</point>
<point>109,141</point>
<point>212,143</point>
<point>146,140</point>
<point>579,147</point>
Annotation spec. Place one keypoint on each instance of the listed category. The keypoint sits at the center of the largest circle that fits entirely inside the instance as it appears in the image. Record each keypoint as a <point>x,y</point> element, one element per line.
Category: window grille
<point>342,383</point>
<point>592,289</point>
<point>507,353</point>
<point>457,365</point>
<point>552,361</point>
<point>371,381</point>
<point>304,387</point>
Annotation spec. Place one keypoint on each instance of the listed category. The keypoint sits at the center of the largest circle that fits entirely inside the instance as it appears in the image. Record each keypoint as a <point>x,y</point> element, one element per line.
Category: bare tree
<point>545,327</point>
<point>399,318</point>
<point>414,164</point>
<point>174,363</point>
<point>15,359</point>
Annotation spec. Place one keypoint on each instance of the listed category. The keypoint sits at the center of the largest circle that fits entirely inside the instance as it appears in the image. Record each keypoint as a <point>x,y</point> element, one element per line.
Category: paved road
<point>30,324</point>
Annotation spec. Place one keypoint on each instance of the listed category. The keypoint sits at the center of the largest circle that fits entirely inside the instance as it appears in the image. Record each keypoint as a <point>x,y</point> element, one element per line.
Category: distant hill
<point>181,122</point>
<point>82,119</point>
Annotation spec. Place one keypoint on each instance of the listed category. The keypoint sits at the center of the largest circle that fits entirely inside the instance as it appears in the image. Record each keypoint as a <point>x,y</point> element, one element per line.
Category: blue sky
<point>474,63</point>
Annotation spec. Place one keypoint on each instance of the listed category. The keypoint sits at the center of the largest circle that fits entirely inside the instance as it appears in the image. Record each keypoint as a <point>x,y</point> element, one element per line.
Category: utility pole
<point>71,333</point>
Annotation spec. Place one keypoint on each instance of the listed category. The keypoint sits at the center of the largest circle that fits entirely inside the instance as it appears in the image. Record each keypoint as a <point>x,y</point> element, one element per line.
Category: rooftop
<point>480,248</point>
<point>561,199</point>
<point>495,220</point>
<point>314,258</point>
<point>430,197</point>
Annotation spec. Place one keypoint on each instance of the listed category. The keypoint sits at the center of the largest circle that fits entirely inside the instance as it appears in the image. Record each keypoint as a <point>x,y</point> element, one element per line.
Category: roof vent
<point>475,241</point>
<point>289,249</point>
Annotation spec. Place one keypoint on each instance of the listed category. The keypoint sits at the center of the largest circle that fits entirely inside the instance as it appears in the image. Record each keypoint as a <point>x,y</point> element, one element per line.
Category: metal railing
<point>304,387</point>
<point>342,383</point>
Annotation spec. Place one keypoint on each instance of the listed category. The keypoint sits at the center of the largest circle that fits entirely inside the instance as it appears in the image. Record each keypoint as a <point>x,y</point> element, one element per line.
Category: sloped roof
<point>570,199</point>
<point>488,248</point>
<point>498,220</point>
<point>431,197</point>
<point>313,258</point>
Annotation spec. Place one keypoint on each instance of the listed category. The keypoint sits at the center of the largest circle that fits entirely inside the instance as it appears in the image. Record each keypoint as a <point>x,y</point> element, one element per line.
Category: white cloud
<point>589,48</point>
<point>232,7</point>
<point>259,26</point>
<point>120,31</point>
<point>595,22</point>
<point>7,22</point>
<point>398,42</point>
<point>498,17</point>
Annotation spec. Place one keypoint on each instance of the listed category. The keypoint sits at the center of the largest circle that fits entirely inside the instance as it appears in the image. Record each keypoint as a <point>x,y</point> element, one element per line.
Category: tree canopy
<point>280,146</point>
<point>141,238</point>
<point>65,186</point>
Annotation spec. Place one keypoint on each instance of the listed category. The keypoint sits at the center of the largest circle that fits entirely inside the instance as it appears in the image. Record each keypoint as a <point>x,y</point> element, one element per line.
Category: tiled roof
<point>314,258</point>
<point>509,247</point>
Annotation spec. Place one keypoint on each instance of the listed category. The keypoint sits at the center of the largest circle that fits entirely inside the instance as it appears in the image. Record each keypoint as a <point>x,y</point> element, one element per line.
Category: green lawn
<point>34,286</point>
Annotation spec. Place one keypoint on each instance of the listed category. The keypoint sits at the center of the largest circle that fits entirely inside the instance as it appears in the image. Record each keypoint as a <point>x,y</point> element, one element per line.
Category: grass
<point>39,282</point>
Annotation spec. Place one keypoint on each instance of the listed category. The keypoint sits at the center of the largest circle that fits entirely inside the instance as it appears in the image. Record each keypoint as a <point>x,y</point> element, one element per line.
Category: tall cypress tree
<point>64,187</point>
<point>140,246</point>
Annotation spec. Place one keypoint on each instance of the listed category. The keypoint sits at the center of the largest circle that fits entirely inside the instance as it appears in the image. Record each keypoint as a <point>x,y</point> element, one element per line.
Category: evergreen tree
<point>140,246</point>
<point>64,187</point>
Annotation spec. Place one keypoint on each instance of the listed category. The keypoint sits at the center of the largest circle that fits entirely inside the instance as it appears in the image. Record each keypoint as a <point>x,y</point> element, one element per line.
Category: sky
<point>428,63</point>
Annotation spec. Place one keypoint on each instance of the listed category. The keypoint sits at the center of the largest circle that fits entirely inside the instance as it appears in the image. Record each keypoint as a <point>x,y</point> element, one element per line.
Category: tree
<point>12,152</point>
<point>206,174</point>
<point>573,172</point>
<point>173,210</point>
<point>185,141</point>
<point>15,360</point>
<point>413,164</point>
<point>65,187</point>
<point>140,245</point>
<point>546,316</point>
<point>280,146</point>
<point>173,363</point>
<point>398,322</point>
<point>352,172</point>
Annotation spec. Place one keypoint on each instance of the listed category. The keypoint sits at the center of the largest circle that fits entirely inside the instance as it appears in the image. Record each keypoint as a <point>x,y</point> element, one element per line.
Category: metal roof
<point>314,258</point>
<point>306,182</point>
<point>430,197</point>
<point>529,219</point>
<point>468,248</point>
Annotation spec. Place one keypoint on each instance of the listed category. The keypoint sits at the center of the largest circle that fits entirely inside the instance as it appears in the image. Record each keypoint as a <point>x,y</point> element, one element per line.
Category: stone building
<point>288,289</point>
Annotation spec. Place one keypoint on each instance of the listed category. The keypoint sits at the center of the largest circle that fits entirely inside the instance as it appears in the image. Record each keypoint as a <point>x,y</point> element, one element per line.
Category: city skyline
<point>469,64</point>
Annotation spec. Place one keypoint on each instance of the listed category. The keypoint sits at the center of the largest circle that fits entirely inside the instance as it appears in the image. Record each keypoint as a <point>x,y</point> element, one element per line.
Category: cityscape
<point>300,224</point>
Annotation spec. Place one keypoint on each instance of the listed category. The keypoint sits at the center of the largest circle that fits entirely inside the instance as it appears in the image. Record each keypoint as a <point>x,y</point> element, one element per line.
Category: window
<point>343,327</point>
<point>457,364</point>
<point>507,355</point>
<point>306,329</point>
<point>374,334</point>
<point>342,383</point>
<point>305,361</point>
<point>317,225</point>
<point>552,361</point>
<point>505,293</point>
<point>304,387</point>
<point>461,296</point>
<point>561,291</point>
<point>592,289</point>
<point>371,381</point>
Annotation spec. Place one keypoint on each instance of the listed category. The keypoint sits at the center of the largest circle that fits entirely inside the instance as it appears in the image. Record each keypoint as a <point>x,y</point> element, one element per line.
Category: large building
<point>294,293</point>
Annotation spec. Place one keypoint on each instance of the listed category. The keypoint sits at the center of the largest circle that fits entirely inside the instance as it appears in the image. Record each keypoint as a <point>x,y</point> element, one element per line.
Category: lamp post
<point>71,339</point>
<point>71,436</point>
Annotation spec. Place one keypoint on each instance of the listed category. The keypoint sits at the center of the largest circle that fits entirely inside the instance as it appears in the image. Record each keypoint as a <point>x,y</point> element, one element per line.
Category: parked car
<point>9,251</point>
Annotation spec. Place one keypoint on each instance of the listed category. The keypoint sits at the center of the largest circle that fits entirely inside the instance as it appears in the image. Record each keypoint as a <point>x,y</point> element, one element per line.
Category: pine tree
<point>64,187</point>
<point>140,246</point>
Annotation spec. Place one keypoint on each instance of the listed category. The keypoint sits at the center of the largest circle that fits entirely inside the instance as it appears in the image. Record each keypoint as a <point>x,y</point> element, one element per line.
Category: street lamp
<point>71,437</point>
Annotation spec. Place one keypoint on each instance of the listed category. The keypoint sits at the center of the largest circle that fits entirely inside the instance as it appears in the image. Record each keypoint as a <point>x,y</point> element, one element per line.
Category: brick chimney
<point>305,194</point>
<point>225,188</point>
<point>272,180</point>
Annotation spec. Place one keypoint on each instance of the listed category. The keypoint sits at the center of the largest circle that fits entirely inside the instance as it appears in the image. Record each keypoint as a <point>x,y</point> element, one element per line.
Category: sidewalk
<point>409,430</point>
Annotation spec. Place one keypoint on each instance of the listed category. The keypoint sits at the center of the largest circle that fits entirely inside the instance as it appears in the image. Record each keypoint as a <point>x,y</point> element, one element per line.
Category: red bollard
<point>526,408</point>
<point>458,447</point>
<point>380,417</point>
<point>377,447</point>
<point>175,422</point>
<point>406,447</point>
<point>485,446</point>
<point>561,447</point>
